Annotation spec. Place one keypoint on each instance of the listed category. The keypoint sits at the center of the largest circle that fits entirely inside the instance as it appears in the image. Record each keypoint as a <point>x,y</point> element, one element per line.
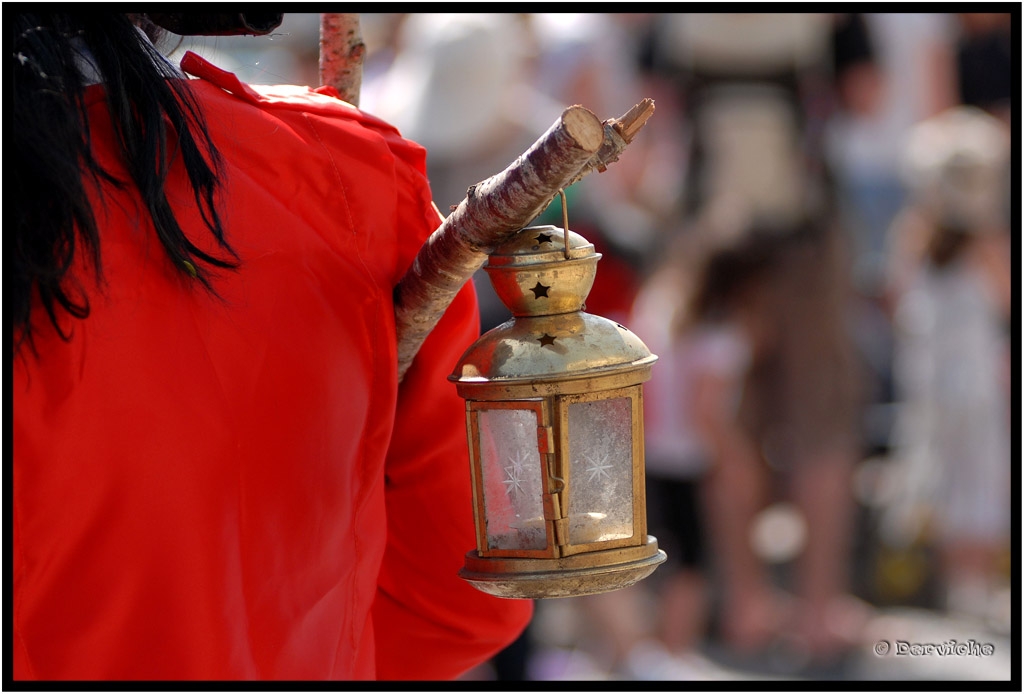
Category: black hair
<point>946,242</point>
<point>156,119</point>
<point>727,273</point>
<point>716,263</point>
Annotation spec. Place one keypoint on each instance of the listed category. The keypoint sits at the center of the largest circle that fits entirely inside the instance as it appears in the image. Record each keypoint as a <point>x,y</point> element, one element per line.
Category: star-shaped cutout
<point>539,291</point>
<point>546,339</point>
<point>543,238</point>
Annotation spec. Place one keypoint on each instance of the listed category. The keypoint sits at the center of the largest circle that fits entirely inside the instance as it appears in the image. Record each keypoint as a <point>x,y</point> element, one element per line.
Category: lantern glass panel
<point>512,479</point>
<point>601,470</point>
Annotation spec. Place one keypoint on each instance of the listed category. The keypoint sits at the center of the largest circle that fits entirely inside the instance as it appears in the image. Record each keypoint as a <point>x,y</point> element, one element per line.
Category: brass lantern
<point>554,414</point>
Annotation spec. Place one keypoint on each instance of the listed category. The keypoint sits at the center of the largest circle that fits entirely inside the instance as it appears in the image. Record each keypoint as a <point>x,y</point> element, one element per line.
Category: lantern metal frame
<point>580,358</point>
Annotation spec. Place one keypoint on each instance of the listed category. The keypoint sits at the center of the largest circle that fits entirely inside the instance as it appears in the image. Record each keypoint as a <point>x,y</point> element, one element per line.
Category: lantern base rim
<point>510,577</point>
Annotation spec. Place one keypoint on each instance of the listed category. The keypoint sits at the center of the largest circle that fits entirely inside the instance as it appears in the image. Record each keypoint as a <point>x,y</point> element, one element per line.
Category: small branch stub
<point>634,119</point>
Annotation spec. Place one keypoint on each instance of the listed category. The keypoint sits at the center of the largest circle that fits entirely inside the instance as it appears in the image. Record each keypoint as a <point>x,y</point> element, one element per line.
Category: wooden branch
<point>495,210</point>
<point>341,54</point>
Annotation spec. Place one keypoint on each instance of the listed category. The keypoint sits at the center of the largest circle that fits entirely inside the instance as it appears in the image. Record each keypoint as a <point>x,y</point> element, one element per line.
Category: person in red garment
<point>216,473</point>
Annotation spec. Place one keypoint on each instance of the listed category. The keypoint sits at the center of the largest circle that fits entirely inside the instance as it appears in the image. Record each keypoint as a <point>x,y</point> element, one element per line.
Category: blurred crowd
<point>813,234</point>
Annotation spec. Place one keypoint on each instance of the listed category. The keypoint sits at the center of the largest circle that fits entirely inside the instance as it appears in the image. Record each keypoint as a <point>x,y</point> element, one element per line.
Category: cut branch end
<point>583,127</point>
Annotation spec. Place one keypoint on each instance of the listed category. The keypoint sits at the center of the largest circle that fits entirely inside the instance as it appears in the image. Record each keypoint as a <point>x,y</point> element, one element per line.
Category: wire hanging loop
<point>565,222</point>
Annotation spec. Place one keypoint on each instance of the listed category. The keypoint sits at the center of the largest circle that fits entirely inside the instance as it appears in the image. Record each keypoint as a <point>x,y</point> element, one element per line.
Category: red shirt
<point>235,486</point>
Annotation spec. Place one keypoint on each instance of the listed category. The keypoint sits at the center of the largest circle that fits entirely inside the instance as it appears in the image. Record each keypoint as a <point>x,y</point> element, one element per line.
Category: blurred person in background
<point>701,313</point>
<point>754,89</point>
<point>952,287</point>
<point>215,472</point>
<point>893,70</point>
<point>890,71</point>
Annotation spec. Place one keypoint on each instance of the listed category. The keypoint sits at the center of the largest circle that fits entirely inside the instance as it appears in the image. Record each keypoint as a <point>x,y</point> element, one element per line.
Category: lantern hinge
<point>552,509</point>
<point>561,532</point>
<point>553,514</point>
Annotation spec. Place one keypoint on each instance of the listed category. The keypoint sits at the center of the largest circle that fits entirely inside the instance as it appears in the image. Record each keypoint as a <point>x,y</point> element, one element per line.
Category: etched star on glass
<point>514,480</point>
<point>598,468</point>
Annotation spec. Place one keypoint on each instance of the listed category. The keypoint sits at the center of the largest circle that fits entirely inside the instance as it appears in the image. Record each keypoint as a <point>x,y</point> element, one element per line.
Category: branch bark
<point>341,54</point>
<point>496,209</point>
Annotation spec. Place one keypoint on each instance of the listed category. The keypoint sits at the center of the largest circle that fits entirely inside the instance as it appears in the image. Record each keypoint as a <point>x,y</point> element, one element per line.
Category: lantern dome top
<point>550,339</point>
<point>562,347</point>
